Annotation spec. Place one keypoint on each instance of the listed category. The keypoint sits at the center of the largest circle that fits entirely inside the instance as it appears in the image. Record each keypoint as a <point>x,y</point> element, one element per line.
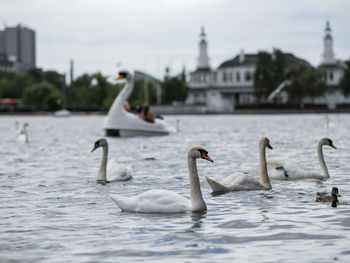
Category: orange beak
<point>119,77</point>
<point>332,145</point>
<point>95,147</point>
<point>206,157</point>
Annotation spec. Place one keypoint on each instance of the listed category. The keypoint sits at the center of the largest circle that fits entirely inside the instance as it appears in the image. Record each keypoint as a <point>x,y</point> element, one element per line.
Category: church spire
<point>203,59</point>
<point>328,55</point>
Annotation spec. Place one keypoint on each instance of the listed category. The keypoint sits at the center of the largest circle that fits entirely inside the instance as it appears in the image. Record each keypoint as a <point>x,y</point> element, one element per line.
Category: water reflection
<point>197,219</point>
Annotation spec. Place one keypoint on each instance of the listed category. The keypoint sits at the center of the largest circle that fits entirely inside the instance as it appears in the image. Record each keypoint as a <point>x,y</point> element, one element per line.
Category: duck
<point>329,198</point>
<point>293,170</point>
<point>165,201</point>
<point>23,135</point>
<point>111,172</point>
<point>242,181</point>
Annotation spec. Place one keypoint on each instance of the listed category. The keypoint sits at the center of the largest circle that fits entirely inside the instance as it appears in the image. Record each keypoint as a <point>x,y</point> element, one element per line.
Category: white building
<point>333,72</point>
<point>232,82</point>
<point>219,90</point>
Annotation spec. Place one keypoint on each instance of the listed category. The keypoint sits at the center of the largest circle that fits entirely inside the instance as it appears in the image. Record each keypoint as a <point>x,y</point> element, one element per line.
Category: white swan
<point>163,201</point>
<point>23,135</point>
<point>114,172</point>
<point>291,169</point>
<point>243,181</point>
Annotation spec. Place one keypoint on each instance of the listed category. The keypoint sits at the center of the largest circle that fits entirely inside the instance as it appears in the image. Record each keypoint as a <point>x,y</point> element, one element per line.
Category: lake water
<point>52,209</point>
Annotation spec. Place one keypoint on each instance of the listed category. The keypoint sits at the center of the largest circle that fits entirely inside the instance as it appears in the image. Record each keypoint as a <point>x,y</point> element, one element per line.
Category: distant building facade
<point>17,49</point>
<point>232,83</point>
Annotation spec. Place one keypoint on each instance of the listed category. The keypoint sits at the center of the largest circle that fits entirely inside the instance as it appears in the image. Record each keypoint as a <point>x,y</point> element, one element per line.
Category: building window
<point>248,76</point>
<point>224,76</point>
<point>331,75</point>
<point>238,76</point>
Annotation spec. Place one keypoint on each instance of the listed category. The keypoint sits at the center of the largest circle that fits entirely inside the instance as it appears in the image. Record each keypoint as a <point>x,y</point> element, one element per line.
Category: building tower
<point>203,59</point>
<point>17,48</point>
<point>328,55</point>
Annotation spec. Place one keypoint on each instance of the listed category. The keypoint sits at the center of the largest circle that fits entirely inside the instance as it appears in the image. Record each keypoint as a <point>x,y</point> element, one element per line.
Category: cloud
<point>150,35</point>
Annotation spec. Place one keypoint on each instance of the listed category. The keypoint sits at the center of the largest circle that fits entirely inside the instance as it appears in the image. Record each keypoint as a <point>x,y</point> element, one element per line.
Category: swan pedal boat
<point>124,124</point>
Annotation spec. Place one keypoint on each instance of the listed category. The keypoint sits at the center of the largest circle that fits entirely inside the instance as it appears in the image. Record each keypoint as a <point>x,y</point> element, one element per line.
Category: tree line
<point>47,90</point>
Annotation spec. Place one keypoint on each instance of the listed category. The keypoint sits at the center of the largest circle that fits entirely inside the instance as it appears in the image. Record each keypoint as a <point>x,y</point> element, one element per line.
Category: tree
<point>54,101</point>
<point>5,87</point>
<point>78,95</point>
<point>174,88</point>
<point>35,75</point>
<point>263,75</point>
<point>36,94</point>
<point>99,90</point>
<point>345,81</point>
<point>307,81</point>
<point>15,84</point>
<point>112,93</point>
<point>56,79</point>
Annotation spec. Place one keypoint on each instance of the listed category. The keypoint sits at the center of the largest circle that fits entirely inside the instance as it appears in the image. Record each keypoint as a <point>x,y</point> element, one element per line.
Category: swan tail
<point>215,186</point>
<point>126,204</point>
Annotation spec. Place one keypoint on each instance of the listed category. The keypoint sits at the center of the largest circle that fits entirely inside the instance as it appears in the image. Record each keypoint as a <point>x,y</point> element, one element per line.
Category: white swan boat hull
<point>128,124</point>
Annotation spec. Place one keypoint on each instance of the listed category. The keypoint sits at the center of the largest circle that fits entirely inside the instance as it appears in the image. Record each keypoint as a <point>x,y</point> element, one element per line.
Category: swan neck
<point>117,107</point>
<point>197,200</point>
<point>102,174</point>
<point>263,176</point>
<point>25,133</point>
<point>321,160</point>
<point>126,91</point>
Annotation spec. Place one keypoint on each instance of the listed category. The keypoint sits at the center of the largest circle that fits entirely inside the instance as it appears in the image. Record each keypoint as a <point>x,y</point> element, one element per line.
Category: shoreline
<point>236,112</point>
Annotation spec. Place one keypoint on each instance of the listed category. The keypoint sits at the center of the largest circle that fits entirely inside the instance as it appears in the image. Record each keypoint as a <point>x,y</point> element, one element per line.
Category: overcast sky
<point>152,34</point>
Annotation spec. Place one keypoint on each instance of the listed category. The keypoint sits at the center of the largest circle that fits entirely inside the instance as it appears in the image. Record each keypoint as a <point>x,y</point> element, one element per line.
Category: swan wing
<point>22,138</point>
<point>290,169</point>
<point>153,201</point>
<point>117,172</point>
<point>235,182</point>
<point>247,182</point>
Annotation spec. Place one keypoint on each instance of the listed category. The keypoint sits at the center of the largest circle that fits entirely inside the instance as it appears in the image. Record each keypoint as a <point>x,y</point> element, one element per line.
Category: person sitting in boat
<point>127,106</point>
<point>146,114</point>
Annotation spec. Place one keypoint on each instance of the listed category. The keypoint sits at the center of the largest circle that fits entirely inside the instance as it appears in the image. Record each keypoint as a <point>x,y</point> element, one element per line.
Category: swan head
<point>101,142</point>
<point>198,152</point>
<point>265,142</point>
<point>327,141</point>
<point>124,74</point>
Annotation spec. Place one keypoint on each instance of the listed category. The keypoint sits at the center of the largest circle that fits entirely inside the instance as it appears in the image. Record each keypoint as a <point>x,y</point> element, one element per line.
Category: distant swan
<point>289,169</point>
<point>164,201</point>
<point>242,181</point>
<point>114,172</point>
<point>23,135</point>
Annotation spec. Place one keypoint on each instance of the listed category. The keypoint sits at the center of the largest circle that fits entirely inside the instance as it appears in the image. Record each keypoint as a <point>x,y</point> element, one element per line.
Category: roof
<point>337,64</point>
<point>249,59</point>
<point>252,59</point>
<point>201,70</point>
<point>10,101</point>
